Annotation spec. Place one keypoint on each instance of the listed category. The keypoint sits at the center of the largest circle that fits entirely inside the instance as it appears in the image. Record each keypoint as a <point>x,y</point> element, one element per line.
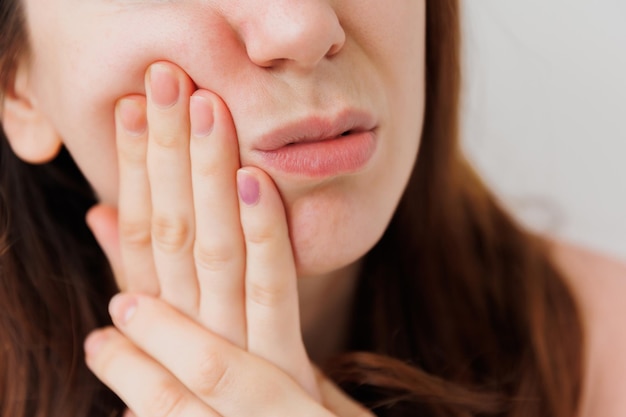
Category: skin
<point>215,367</point>
<point>161,104</point>
<point>271,274</point>
<point>271,65</point>
<point>599,284</point>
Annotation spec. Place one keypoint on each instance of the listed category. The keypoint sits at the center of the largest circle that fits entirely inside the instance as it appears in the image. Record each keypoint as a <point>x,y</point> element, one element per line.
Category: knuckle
<point>206,169</point>
<point>135,234</point>
<point>132,154</point>
<point>166,139</point>
<point>266,295</point>
<point>211,376</point>
<point>171,234</point>
<point>262,236</point>
<point>214,258</point>
<point>169,400</point>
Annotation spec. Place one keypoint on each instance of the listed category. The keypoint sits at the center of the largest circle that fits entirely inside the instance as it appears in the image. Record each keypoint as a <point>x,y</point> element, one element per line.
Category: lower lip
<point>345,154</point>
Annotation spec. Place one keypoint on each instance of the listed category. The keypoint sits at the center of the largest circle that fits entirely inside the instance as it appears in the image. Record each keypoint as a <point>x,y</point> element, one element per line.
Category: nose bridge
<point>300,31</point>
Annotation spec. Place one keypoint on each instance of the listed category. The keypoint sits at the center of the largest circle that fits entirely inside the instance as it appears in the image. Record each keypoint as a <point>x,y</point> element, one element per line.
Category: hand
<point>211,240</point>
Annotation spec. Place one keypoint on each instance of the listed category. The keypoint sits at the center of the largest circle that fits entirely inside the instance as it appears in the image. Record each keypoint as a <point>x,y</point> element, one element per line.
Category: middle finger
<point>219,247</point>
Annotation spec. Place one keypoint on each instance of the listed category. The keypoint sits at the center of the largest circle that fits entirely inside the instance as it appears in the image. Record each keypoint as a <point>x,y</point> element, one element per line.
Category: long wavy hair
<point>459,311</point>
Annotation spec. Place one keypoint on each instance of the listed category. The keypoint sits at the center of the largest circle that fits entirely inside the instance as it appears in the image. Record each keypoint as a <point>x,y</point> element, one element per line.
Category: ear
<point>30,133</point>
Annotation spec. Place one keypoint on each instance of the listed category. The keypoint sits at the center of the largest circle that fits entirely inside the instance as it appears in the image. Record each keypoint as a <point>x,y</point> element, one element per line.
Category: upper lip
<point>316,128</point>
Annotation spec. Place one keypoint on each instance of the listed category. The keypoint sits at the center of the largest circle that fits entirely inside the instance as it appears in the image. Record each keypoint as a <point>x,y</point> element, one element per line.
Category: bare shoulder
<point>599,283</point>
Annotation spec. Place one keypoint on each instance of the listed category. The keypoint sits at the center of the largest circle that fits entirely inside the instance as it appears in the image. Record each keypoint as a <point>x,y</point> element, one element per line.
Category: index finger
<point>272,310</point>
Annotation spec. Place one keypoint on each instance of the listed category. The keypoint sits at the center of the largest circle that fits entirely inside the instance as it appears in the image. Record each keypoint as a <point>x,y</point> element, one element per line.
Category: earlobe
<point>31,135</point>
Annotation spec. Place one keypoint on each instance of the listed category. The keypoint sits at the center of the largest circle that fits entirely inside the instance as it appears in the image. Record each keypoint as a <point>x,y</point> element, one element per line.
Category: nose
<point>290,32</point>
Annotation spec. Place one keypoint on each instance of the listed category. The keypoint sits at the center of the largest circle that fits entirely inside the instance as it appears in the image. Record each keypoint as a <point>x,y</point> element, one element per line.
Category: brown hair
<point>12,41</point>
<point>459,311</point>
<point>54,281</point>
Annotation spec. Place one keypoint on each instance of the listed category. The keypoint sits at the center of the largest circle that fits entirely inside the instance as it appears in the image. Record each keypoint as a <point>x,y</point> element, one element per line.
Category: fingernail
<point>132,115</point>
<point>201,115</point>
<point>95,341</point>
<point>249,188</point>
<point>164,86</point>
<point>122,308</point>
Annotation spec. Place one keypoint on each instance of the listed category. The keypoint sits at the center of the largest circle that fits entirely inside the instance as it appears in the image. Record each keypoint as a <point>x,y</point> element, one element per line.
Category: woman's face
<point>274,63</point>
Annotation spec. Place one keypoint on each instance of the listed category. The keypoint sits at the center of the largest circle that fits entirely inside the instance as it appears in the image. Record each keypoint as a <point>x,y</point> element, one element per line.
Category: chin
<point>323,250</point>
<point>336,225</point>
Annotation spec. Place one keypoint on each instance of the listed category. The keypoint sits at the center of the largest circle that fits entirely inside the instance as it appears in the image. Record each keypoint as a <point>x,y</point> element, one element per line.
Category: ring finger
<point>219,247</point>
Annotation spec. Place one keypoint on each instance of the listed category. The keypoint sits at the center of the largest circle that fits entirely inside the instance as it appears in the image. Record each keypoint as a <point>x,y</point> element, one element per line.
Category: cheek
<point>86,60</point>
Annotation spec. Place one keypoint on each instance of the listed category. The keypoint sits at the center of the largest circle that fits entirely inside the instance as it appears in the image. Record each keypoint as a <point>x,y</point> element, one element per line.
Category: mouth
<point>320,147</point>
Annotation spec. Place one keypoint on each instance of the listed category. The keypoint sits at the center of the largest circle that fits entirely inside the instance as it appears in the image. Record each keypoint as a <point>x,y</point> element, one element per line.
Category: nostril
<point>335,49</point>
<point>284,34</point>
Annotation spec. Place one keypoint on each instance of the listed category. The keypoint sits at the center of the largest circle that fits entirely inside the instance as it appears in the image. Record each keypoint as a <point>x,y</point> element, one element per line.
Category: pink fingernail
<point>201,115</point>
<point>164,86</point>
<point>122,308</point>
<point>249,187</point>
<point>132,115</point>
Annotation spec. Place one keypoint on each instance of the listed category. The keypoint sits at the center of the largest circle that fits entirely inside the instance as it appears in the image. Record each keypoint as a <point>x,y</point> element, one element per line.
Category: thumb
<point>102,220</point>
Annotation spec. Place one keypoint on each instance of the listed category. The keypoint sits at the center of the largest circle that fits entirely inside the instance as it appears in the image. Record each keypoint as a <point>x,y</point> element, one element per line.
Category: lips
<point>320,147</point>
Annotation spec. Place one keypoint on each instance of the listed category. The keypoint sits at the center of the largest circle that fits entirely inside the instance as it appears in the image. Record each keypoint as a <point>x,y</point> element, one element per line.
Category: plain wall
<point>544,114</point>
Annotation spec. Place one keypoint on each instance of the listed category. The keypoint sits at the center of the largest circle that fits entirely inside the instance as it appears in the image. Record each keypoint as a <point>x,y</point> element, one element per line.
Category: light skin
<point>271,64</point>
<point>253,59</point>
<point>258,278</point>
<point>161,104</point>
<point>599,285</point>
<point>203,357</point>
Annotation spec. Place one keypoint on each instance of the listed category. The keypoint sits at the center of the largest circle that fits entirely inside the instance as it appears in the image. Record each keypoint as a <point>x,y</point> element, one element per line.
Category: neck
<point>325,307</point>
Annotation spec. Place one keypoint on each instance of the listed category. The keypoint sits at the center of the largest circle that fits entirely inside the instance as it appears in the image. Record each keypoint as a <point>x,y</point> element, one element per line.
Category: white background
<point>544,113</point>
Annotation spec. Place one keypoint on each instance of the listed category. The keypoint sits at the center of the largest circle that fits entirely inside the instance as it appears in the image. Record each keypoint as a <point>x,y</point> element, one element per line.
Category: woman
<point>355,236</point>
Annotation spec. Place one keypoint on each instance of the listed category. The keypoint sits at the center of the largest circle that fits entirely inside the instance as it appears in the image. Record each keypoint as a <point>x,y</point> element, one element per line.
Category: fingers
<point>169,171</point>
<point>179,216</point>
<point>102,220</point>
<point>134,196</point>
<point>272,312</point>
<point>210,240</point>
<point>229,380</point>
<point>147,388</point>
<point>219,251</point>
